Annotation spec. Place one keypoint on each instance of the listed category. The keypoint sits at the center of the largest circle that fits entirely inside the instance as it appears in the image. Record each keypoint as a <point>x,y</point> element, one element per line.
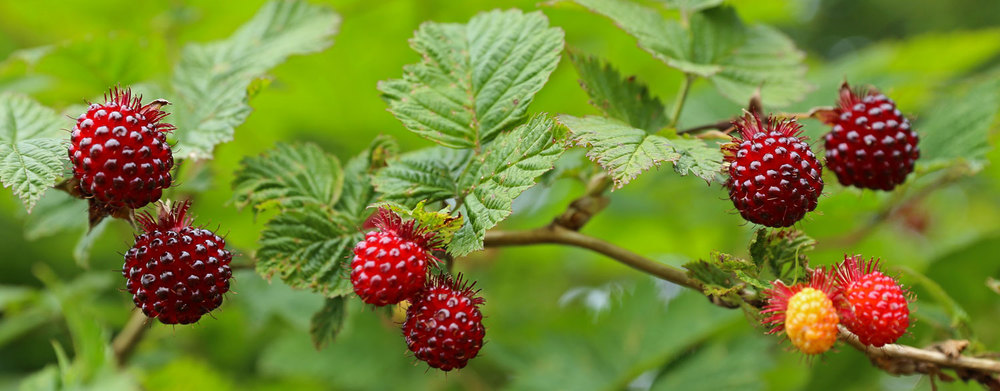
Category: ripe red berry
<point>871,145</point>
<point>805,312</point>
<point>390,264</point>
<point>443,326</point>
<point>119,151</point>
<point>876,307</point>
<point>774,178</point>
<point>176,272</point>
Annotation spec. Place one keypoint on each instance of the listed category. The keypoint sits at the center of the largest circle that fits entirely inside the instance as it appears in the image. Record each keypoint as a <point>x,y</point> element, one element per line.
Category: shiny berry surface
<point>119,151</point>
<point>774,177</point>
<point>387,268</point>
<point>805,312</point>
<point>175,272</point>
<point>444,326</point>
<point>877,308</point>
<point>871,144</point>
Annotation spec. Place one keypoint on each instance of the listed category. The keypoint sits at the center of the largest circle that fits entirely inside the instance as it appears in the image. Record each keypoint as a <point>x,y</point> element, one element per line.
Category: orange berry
<point>811,321</point>
<point>805,312</point>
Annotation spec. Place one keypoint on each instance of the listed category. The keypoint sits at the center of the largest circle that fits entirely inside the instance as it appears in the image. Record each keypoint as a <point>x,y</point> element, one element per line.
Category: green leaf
<point>623,151</point>
<point>289,177</point>
<point>81,252</point>
<point>359,192</point>
<point>309,248</point>
<point>781,253</point>
<point>326,323</point>
<point>689,6</point>
<point>702,159</point>
<point>475,80</point>
<point>212,79</point>
<point>958,129</point>
<point>426,174</point>
<point>441,222</point>
<point>746,358</point>
<point>625,99</point>
<point>506,168</point>
<point>32,154</point>
<point>715,44</point>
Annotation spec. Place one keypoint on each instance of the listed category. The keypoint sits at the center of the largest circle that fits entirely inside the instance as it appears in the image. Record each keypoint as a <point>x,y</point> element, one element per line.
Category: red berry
<point>805,312</point>
<point>774,178</point>
<point>119,151</point>
<point>176,272</point>
<point>871,145</point>
<point>443,326</point>
<point>876,307</point>
<point>390,265</point>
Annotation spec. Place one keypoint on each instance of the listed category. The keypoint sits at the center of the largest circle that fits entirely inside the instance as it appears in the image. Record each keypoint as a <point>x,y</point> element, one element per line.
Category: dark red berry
<point>391,264</point>
<point>119,151</point>
<point>876,308</point>
<point>175,272</point>
<point>443,326</point>
<point>774,177</point>
<point>871,145</point>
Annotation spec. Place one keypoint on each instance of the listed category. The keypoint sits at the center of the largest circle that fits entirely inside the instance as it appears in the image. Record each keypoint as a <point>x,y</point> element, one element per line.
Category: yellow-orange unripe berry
<point>811,321</point>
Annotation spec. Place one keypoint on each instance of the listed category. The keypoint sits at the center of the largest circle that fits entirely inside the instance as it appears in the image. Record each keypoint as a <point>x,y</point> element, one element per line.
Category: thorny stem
<point>125,342</point>
<point>681,98</point>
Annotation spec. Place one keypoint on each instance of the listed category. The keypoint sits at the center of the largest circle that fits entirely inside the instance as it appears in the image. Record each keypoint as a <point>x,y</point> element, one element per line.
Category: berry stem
<point>125,342</point>
<point>682,94</point>
<point>559,235</point>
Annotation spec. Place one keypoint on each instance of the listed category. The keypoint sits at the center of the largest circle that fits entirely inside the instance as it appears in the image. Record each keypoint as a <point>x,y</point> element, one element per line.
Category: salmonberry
<point>391,264</point>
<point>120,153</point>
<point>175,272</point>
<point>805,312</point>
<point>774,177</point>
<point>871,144</point>
<point>876,307</point>
<point>443,326</point>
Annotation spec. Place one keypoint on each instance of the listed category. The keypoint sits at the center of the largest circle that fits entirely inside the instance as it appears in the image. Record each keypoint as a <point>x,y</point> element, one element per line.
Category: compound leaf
<point>212,80</point>
<point>625,99</point>
<point>289,176</point>
<point>475,80</point>
<point>32,154</point>
<point>715,44</point>
<point>623,151</point>
<point>507,167</point>
<point>309,248</point>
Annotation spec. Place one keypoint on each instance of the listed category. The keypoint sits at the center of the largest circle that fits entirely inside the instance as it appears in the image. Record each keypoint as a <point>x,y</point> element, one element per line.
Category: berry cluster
<point>774,177</point>
<point>443,324</point>
<point>855,294</point>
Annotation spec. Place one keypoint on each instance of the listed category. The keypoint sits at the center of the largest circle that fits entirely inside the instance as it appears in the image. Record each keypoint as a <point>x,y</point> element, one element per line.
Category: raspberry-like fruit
<point>119,151</point>
<point>876,309</point>
<point>175,272</point>
<point>805,312</point>
<point>443,326</point>
<point>871,144</point>
<point>390,264</point>
<point>774,177</point>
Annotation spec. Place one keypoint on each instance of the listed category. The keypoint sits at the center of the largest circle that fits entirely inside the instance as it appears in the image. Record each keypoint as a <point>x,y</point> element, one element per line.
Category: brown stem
<point>560,235</point>
<point>125,342</point>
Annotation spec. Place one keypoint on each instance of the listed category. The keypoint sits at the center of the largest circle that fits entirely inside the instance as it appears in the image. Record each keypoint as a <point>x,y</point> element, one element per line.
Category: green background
<point>557,318</point>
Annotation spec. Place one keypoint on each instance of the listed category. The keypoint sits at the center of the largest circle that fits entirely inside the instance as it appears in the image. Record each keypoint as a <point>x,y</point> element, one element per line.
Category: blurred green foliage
<point>557,318</point>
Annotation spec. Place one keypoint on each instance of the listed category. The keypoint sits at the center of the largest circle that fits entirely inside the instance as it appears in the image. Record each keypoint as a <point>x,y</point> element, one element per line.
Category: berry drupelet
<point>391,264</point>
<point>774,177</point>
<point>871,145</point>
<point>119,151</point>
<point>444,326</point>
<point>176,272</point>
<point>876,309</point>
